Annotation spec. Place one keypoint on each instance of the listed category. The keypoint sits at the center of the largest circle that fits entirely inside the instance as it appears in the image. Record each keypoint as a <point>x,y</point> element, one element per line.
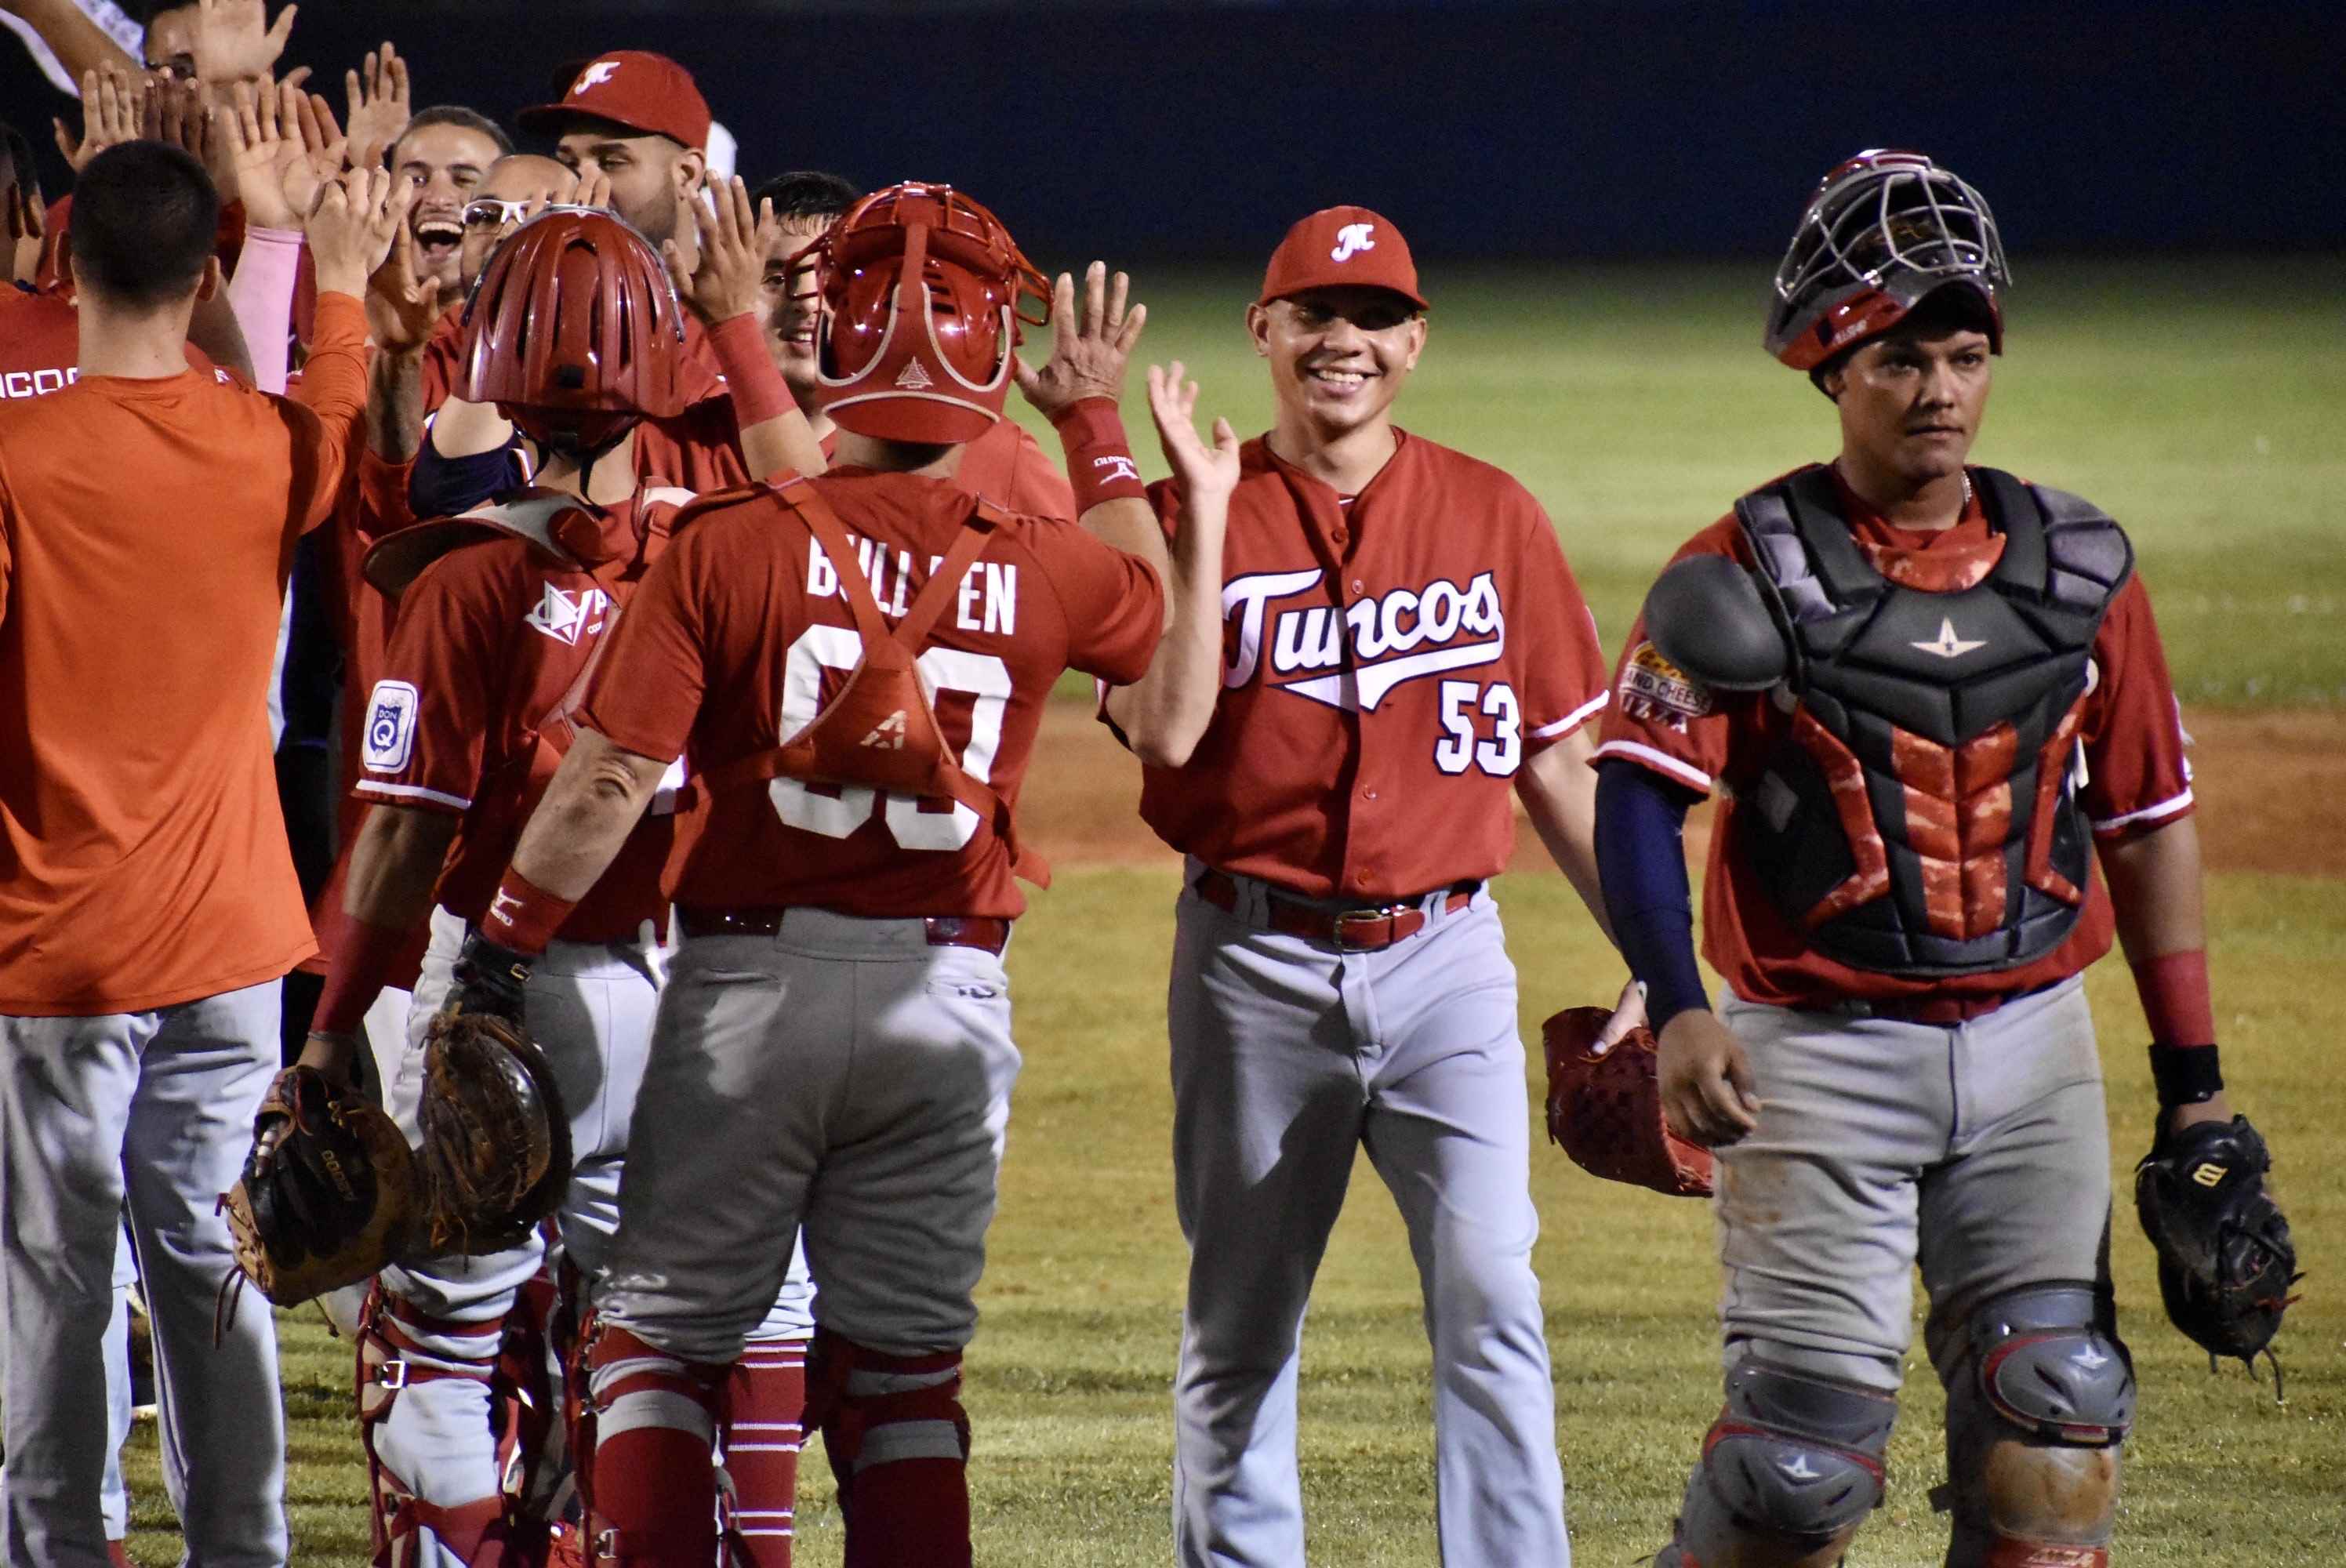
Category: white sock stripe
<point>765,1513</point>
<point>893,1441</point>
<point>731,1448</point>
<point>768,1427</point>
<point>653,1408</point>
<point>866,1383</point>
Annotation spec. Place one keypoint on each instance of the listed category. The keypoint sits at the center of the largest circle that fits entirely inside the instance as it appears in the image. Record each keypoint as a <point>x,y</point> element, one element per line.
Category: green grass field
<point>2205,415</point>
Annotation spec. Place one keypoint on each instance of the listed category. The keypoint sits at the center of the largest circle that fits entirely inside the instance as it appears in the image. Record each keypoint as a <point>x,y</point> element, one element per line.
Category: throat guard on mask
<point>1922,818</point>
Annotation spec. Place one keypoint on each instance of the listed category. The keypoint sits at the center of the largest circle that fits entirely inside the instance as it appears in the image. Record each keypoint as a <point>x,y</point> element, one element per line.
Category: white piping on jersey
<point>413,792</point>
<point>1662,759</point>
<point>2167,808</point>
<point>1573,720</point>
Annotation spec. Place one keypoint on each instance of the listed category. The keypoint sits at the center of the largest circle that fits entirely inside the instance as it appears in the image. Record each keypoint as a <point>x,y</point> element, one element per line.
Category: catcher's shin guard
<point>898,1441</point>
<point>1789,1471</point>
<point>2035,1416</point>
<point>765,1408</point>
<point>400,1349</point>
<point>644,1446</point>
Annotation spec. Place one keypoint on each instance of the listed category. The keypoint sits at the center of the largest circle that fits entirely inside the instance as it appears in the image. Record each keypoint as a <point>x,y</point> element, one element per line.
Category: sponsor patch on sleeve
<point>390,727</point>
<point>1658,691</point>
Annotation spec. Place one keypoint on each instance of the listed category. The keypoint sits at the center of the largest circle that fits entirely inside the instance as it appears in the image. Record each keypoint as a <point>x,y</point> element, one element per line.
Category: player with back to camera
<point>833,1051</point>
<point>1935,695</point>
<point>1392,654</point>
<point>501,612</point>
<point>147,903</point>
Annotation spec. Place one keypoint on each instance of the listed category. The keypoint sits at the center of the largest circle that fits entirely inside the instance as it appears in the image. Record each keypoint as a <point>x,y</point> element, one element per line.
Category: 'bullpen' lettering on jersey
<point>1390,635</point>
<point>988,600</point>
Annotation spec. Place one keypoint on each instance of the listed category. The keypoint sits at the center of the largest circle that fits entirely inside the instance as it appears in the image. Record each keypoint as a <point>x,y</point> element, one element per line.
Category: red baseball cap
<point>636,88</point>
<point>1339,247</point>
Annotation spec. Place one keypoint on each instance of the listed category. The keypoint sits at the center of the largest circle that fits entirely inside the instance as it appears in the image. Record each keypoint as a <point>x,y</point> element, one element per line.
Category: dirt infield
<point>2267,784</point>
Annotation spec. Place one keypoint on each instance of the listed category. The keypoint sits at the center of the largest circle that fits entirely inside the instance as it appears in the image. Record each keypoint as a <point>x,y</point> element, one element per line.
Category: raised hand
<point>113,111</point>
<point>235,42</point>
<point>1089,352</point>
<point>400,311</point>
<point>594,189</point>
<point>263,153</point>
<point>1200,470</point>
<point>351,229</point>
<point>308,120</point>
<point>377,97</point>
<point>720,276</point>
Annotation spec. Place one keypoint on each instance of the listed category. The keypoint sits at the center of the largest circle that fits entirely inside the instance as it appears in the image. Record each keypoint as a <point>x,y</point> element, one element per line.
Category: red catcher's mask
<point>925,293</point>
<point>574,331</point>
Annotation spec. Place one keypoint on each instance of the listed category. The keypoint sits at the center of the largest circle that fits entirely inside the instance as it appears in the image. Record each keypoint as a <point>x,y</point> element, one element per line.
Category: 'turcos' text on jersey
<point>1396,636</point>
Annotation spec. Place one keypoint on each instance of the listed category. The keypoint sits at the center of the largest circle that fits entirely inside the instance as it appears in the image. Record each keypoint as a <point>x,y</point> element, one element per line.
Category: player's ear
<point>1258,329</point>
<point>208,286</point>
<point>691,171</point>
<point>1417,330</point>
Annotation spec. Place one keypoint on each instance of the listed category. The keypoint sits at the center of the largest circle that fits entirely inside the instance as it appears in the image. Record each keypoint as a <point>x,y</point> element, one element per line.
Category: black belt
<point>1362,930</point>
<point>987,931</point>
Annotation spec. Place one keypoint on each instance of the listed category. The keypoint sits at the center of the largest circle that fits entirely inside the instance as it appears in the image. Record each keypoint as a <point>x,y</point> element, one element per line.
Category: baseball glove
<point>496,1139</point>
<point>328,1196</point>
<point>1604,1106</point>
<point>2225,1260</point>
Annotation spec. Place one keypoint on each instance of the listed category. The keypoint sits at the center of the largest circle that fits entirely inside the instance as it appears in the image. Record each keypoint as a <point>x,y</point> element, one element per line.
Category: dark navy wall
<point>1570,130</point>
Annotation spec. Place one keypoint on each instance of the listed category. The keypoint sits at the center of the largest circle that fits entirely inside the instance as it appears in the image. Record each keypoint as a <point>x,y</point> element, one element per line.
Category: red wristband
<point>1099,459</point>
<point>523,916</point>
<point>360,956</point>
<point>2174,991</point>
<point>757,387</point>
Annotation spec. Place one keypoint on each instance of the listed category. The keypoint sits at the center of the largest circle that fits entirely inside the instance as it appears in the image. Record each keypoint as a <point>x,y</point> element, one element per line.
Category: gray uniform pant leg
<point>114,1495</point>
<point>1287,1056</point>
<point>1884,1141</point>
<point>843,1082</point>
<point>155,1108</point>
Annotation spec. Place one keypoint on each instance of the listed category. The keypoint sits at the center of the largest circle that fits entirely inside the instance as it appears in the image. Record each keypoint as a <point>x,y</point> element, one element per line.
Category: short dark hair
<point>145,221</point>
<point>456,114</point>
<point>1952,307</point>
<point>144,12</point>
<point>807,193</point>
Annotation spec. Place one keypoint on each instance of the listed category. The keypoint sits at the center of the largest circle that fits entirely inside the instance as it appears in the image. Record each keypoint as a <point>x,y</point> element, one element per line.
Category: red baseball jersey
<point>487,641</point>
<point>1390,661</point>
<point>741,630</point>
<point>2130,743</point>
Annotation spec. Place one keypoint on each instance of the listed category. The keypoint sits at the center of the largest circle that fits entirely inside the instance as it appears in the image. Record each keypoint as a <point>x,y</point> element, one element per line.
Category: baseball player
<point>147,903</point>
<point>1396,648</point>
<point>1957,706</point>
<point>638,119</point>
<point>501,613</point>
<point>1004,464</point>
<point>833,1051</point>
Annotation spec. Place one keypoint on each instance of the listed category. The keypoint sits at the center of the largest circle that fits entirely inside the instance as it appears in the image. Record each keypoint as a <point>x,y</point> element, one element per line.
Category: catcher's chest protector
<point>1922,818</point>
<point>878,730</point>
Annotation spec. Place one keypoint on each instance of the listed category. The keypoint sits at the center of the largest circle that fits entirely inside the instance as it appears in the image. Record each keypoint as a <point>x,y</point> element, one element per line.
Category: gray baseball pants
<point>156,1108</point>
<point>1289,1056</point>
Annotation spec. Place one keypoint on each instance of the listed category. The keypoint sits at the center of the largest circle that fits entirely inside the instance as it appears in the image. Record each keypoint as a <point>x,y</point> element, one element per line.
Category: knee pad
<point>2048,1361</point>
<point>874,1409</point>
<point>1793,1457</point>
<point>2033,1428</point>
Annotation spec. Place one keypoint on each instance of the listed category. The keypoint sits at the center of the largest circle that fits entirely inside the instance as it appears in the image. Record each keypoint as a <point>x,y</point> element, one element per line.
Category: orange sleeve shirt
<point>2131,746</point>
<point>1389,662</point>
<point>740,631</point>
<point>147,528</point>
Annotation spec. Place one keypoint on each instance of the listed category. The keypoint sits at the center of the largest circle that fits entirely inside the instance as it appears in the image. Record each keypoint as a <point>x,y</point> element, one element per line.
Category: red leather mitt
<point>1605,1107</point>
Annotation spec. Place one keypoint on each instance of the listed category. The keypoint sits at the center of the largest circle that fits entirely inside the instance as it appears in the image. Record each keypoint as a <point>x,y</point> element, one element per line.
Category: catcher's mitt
<point>496,1139</point>
<point>1605,1107</point>
<point>2225,1258</point>
<point>329,1194</point>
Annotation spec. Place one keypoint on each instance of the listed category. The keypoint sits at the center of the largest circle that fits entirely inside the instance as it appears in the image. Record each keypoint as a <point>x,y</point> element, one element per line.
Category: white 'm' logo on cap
<point>1350,241</point>
<point>594,76</point>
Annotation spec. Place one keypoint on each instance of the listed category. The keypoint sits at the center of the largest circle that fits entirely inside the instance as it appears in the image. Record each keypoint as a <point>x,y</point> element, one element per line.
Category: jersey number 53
<point>1463,745</point>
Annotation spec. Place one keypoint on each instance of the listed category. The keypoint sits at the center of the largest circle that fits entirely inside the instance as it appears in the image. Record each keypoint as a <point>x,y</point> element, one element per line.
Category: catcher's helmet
<point>1883,230</point>
<point>574,331</point>
<point>924,291</point>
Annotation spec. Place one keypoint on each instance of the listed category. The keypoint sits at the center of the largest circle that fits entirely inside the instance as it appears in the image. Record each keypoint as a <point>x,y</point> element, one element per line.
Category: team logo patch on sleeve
<point>390,727</point>
<point>1658,691</point>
